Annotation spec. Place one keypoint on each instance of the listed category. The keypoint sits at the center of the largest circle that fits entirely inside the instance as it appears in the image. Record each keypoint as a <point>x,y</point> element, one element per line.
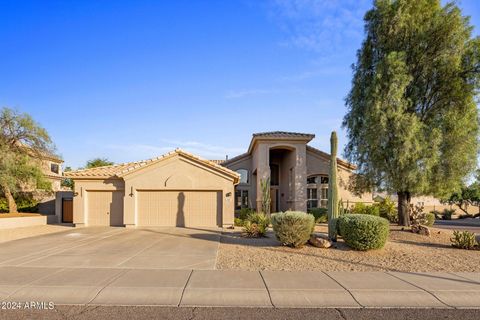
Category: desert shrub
<point>25,203</point>
<point>361,208</point>
<point>447,214</point>
<point>363,232</point>
<point>430,217</point>
<point>238,222</point>
<point>320,214</point>
<point>243,213</point>
<point>463,239</point>
<point>253,230</point>
<point>256,225</point>
<point>388,210</point>
<point>293,228</point>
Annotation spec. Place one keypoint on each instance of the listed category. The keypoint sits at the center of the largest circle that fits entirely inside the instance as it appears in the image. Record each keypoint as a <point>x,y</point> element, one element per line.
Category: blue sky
<point>129,80</point>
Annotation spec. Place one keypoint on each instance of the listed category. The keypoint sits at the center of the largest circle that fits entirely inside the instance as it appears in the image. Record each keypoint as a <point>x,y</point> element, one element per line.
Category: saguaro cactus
<point>265,185</point>
<point>333,211</point>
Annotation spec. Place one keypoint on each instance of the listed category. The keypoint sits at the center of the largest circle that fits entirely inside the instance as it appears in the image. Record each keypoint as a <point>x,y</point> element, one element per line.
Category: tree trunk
<point>403,206</point>
<point>12,206</point>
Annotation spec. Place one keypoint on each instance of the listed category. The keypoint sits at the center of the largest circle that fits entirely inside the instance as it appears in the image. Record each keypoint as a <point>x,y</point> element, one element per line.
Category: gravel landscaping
<point>404,251</point>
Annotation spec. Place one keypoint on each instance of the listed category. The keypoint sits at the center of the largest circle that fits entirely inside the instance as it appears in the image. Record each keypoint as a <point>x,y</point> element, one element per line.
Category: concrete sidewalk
<point>220,288</point>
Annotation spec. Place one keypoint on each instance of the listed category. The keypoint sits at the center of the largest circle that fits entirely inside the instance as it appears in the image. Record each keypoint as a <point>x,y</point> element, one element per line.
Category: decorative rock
<point>319,242</point>
<point>420,229</point>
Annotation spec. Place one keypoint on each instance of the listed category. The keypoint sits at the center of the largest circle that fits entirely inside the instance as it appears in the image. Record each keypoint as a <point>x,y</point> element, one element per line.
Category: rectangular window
<point>312,200</point>
<point>241,199</point>
<point>324,196</point>
<point>54,167</point>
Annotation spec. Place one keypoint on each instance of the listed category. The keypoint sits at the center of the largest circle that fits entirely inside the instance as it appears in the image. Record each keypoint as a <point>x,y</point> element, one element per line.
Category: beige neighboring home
<point>52,169</point>
<point>298,173</point>
<point>176,189</point>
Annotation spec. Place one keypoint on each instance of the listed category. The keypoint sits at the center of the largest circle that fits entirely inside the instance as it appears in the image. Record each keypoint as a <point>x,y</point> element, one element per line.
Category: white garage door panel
<point>179,208</point>
<point>105,208</point>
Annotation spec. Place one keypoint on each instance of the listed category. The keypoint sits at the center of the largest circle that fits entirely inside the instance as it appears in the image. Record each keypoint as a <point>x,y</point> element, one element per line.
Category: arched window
<point>243,176</point>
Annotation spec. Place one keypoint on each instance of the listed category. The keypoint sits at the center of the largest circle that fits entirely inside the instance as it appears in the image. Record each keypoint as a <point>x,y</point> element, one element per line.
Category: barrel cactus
<point>333,211</point>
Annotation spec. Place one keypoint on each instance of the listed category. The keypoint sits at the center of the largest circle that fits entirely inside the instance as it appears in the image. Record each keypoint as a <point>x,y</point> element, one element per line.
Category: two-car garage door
<point>192,208</point>
<point>187,208</point>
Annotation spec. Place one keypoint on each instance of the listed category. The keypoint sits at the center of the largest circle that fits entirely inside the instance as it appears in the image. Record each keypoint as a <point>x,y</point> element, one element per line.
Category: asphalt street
<point>182,313</point>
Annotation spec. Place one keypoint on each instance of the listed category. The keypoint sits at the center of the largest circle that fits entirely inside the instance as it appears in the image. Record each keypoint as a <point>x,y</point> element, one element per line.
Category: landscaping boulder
<point>319,241</point>
<point>421,229</point>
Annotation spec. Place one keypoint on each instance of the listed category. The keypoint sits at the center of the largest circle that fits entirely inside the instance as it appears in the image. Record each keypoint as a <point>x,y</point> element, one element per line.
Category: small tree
<point>412,120</point>
<point>468,196</point>
<point>67,182</point>
<point>265,185</point>
<point>23,143</point>
<point>98,162</point>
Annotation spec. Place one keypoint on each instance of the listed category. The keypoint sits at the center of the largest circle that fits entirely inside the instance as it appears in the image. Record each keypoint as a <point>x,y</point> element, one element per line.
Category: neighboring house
<point>52,169</point>
<point>298,173</point>
<point>176,189</point>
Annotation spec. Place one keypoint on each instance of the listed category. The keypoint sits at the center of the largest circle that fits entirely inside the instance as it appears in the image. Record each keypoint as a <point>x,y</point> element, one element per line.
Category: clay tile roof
<point>119,170</point>
<point>284,134</point>
<point>218,161</point>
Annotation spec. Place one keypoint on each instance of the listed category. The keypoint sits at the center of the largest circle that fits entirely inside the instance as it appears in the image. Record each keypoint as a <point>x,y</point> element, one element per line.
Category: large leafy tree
<point>412,119</point>
<point>23,143</point>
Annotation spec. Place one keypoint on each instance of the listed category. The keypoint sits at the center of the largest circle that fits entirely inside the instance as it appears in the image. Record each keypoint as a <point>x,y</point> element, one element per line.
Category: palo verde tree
<point>23,143</point>
<point>412,119</point>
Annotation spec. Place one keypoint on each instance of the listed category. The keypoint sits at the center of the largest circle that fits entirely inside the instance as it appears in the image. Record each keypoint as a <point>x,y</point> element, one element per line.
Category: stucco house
<point>298,173</point>
<point>181,189</point>
<point>176,189</point>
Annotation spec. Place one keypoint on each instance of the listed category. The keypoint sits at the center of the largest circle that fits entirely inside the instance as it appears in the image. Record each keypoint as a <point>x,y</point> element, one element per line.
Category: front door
<point>274,200</point>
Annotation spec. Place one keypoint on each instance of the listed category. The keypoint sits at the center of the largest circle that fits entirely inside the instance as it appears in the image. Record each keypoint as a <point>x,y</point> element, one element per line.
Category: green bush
<point>463,239</point>
<point>25,203</point>
<point>447,214</point>
<point>363,232</point>
<point>388,210</point>
<point>430,217</point>
<point>256,225</point>
<point>360,208</point>
<point>293,228</point>
<point>320,214</point>
<point>238,222</point>
<point>243,213</point>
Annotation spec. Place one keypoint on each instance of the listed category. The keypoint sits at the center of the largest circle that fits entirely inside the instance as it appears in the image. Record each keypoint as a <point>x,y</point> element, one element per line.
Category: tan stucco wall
<point>317,164</point>
<point>82,187</point>
<point>246,163</point>
<point>177,173</point>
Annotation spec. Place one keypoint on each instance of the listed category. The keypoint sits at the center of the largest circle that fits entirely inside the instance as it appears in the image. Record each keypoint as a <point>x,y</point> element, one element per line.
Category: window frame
<point>248,176</point>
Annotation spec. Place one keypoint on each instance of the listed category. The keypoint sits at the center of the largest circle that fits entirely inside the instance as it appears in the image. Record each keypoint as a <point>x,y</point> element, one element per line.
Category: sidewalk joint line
<point>185,288</point>
<point>425,290</point>
<point>351,294</point>
<point>457,275</point>
<point>266,287</point>
<point>121,273</point>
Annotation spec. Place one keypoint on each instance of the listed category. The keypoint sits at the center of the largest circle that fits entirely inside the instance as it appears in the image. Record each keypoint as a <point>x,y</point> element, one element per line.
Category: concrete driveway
<point>154,248</point>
